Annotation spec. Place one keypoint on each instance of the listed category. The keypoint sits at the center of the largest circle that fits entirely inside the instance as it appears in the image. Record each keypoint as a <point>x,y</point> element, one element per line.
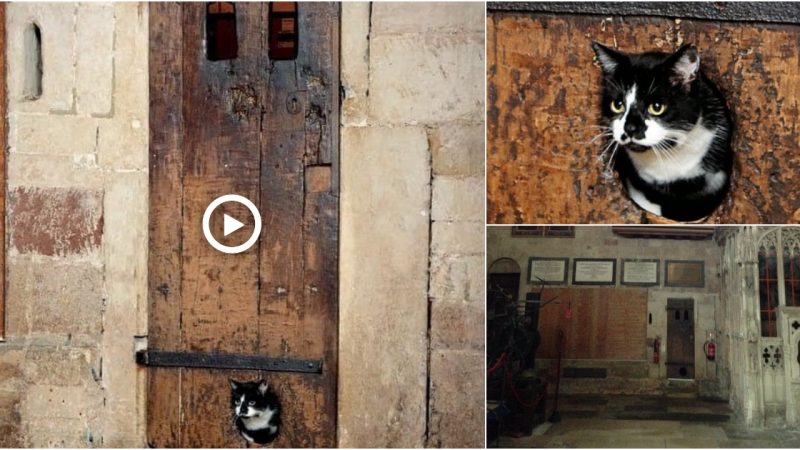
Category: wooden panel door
<point>680,338</point>
<point>266,130</point>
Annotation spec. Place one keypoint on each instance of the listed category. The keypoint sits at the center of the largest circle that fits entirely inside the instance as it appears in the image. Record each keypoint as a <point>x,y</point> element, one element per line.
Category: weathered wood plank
<point>543,94</point>
<point>166,199</point>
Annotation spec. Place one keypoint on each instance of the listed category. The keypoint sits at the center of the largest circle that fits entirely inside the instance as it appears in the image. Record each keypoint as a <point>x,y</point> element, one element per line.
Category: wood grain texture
<point>265,130</point>
<point>543,95</point>
<point>606,323</point>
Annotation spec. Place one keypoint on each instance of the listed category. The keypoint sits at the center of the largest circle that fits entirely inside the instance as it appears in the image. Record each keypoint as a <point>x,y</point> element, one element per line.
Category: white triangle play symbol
<point>230,225</point>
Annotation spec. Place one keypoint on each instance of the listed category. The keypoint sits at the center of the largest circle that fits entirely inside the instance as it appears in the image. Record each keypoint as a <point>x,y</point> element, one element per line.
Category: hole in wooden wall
<point>32,89</point>
<point>221,37</point>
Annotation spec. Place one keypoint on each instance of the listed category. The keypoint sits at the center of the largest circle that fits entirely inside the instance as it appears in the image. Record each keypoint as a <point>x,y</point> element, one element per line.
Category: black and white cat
<point>673,129</point>
<point>257,411</point>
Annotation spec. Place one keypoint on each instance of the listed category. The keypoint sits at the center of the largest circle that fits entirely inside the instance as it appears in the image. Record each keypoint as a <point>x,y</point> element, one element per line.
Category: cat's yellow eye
<point>617,106</point>
<point>656,109</point>
<point>251,402</point>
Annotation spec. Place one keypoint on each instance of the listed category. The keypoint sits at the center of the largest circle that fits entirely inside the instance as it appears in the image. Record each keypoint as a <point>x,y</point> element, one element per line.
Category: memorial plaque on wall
<point>684,274</point>
<point>547,270</point>
<point>594,271</point>
<point>639,272</point>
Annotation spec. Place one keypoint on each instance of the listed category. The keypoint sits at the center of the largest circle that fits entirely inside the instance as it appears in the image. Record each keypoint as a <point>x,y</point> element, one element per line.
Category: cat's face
<point>650,99</point>
<point>249,399</point>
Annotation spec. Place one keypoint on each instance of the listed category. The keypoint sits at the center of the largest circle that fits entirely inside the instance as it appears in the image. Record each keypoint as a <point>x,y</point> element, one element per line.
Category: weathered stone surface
<point>455,325</point>
<point>51,221</point>
<point>458,199</point>
<point>47,135</point>
<point>458,149</point>
<point>385,195</point>
<point>95,58</point>
<point>355,62</point>
<point>61,366</point>
<point>428,18</point>
<point>53,171</point>
<point>54,297</point>
<point>430,79</point>
<point>57,24</point>
<point>457,402</point>
<point>457,237</point>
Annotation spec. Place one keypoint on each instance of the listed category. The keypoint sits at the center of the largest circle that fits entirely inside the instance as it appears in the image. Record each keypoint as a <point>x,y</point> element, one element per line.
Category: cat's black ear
<point>234,384</point>
<point>609,59</point>
<point>684,65</point>
<point>263,386</point>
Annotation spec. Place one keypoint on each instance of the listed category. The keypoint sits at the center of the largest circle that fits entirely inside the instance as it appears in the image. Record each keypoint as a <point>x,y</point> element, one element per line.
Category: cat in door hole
<point>256,411</point>
<point>669,131</point>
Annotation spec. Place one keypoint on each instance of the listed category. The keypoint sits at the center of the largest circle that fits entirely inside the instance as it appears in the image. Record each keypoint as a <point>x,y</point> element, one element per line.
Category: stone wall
<point>632,376</point>
<point>77,228</point>
<point>412,214</point>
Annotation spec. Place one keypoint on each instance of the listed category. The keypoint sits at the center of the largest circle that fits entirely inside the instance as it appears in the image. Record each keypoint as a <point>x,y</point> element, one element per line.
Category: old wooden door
<point>266,130</point>
<point>680,338</point>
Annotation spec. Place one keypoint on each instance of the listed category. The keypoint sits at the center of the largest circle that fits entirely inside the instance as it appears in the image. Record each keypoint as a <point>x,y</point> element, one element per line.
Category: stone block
<point>131,71</point>
<point>462,238</point>
<point>355,62</point>
<point>95,54</point>
<point>61,433</point>
<point>458,199</point>
<point>54,297</point>
<point>61,402</point>
<point>457,325</point>
<point>431,80</point>
<point>61,366</point>
<point>53,134</point>
<point>57,27</point>
<point>55,221</point>
<point>428,18</point>
<point>383,345</point>
<point>448,277</point>
<point>52,171</point>
<point>457,399</point>
<point>458,150</point>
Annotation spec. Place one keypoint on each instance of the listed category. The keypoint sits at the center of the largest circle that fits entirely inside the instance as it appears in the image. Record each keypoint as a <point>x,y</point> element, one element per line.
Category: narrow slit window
<point>283,32</point>
<point>32,88</point>
<point>221,37</point>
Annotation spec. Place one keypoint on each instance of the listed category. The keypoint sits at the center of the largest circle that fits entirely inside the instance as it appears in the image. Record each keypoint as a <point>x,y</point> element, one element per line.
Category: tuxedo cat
<point>671,131</point>
<point>257,411</point>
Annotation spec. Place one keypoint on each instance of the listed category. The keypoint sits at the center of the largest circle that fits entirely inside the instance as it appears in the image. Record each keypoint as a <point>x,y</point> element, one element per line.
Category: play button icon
<point>231,225</point>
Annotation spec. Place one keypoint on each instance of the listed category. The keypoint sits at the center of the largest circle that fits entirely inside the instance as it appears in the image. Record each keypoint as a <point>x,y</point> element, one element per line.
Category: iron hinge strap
<point>160,358</point>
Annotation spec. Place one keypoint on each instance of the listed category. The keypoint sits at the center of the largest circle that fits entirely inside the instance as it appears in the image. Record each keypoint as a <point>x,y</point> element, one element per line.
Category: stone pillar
<point>412,213</point>
<point>77,224</point>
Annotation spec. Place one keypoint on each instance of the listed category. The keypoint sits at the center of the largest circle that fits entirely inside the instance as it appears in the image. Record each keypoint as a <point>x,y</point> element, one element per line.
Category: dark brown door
<point>680,338</point>
<point>268,131</point>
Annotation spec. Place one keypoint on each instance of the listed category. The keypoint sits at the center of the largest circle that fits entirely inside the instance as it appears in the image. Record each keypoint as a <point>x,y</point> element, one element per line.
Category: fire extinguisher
<point>656,350</point>
<point>710,348</point>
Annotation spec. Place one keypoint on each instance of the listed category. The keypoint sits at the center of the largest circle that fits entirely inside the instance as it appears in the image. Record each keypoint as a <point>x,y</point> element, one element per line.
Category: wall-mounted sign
<point>547,270</point>
<point>639,272</point>
<point>684,273</point>
<point>594,271</point>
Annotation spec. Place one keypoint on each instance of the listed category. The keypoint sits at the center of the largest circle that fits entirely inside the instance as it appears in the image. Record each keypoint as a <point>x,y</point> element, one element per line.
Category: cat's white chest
<point>260,421</point>
<point>680,162</point>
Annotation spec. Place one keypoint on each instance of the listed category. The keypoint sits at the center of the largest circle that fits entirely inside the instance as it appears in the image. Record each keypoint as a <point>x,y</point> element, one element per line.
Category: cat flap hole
<point>221,36</point>
<point>32,45</point>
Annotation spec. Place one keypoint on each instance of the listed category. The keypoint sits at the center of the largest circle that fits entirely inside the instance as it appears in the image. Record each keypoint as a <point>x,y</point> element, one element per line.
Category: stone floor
<point>648,422</point>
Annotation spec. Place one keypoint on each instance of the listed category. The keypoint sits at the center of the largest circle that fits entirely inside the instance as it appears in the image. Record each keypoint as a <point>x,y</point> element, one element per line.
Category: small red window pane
<point>221,38</point>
